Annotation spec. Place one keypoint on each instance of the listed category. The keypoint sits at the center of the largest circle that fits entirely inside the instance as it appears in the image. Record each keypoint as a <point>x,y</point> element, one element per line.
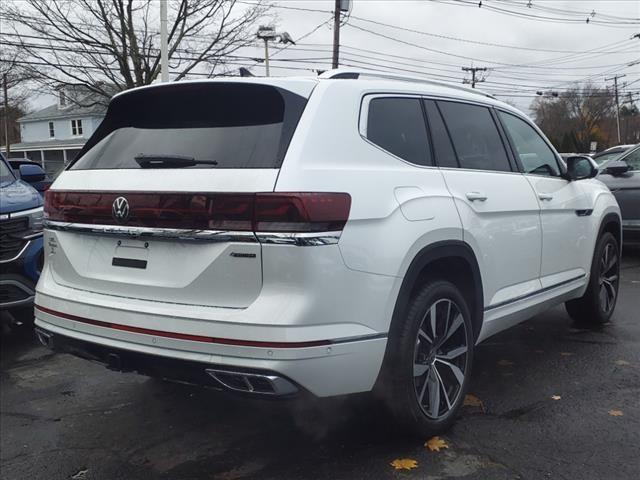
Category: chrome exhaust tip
<point>45,338</point>
<point>261,384</point>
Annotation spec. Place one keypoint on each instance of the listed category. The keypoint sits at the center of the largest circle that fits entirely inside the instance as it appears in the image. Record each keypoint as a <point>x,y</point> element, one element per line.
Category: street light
<point>268,33</point>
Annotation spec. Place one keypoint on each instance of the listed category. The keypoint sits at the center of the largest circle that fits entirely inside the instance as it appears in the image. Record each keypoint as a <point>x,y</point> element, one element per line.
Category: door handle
<point>545,196</point>
<point>473,196</point>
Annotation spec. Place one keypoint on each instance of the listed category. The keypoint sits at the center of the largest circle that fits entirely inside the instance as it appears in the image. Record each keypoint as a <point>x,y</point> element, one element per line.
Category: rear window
<point>215,125</point>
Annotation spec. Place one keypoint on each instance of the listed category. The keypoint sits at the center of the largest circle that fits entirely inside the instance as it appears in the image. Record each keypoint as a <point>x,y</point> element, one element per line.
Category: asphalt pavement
<point>551,401</point>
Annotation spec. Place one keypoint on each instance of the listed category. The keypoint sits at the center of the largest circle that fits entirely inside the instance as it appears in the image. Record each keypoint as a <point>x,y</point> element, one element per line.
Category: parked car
<point>622,176</point>
<point>31,172</point>
<point>334,235</point>
<point>21,253</point>
<point>610,153</point>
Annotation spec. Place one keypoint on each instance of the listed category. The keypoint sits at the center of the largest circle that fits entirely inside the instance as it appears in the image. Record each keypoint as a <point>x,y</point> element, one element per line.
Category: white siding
<point>38,130</point>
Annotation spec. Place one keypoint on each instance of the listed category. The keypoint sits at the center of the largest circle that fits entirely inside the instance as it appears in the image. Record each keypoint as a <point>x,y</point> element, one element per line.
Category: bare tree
<point>576,117</point>
<point>105,46</point>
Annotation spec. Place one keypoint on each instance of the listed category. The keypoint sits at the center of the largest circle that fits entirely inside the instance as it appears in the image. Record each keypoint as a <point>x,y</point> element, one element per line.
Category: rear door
<point>159,204</point>
<point>626,189</point>
<point>564,205</point>
<point>499,212</point>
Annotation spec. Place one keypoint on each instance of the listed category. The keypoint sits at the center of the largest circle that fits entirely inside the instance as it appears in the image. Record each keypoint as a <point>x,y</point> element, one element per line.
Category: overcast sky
<point>547,47</point>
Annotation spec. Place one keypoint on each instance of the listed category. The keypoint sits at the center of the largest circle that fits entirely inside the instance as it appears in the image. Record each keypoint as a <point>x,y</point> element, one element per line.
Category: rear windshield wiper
<point>169,161</point>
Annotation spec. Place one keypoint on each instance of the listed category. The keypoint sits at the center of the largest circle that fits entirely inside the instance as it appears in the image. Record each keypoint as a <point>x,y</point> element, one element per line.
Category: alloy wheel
<point>440,358</point>
<point>608,279</point>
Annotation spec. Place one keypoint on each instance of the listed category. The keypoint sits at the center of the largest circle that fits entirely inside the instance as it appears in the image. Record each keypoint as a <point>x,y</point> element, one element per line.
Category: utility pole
<point>164,47</point>
<point>336,34</point>
<point>268,33</point>
<point>473,71</point>
<point>615,86</point>
<point>5,89</point>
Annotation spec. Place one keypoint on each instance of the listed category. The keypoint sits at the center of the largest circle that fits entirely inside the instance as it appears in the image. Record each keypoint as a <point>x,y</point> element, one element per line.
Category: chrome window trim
<point>306,239</point>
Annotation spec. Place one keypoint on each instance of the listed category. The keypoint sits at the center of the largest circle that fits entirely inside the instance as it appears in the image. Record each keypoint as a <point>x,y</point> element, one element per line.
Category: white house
<point>54,135</point>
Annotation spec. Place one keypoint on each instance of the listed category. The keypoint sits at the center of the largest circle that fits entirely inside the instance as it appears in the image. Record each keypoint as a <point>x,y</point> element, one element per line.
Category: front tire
<point>596,306</point>
<point>429,361</point>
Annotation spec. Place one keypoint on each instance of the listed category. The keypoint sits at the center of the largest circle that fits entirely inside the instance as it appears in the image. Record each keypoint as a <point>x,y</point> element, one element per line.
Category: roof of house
<point>71,143</point>
<point>53,111</point>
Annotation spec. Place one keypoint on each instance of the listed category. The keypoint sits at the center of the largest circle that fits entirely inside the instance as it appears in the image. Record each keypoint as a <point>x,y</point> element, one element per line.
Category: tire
<point>597,304</point>
<point>411,353</point>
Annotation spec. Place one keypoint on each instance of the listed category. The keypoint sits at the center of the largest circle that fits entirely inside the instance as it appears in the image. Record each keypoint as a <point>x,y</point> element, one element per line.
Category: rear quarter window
<point>397,125</point>
<point>224,125</point>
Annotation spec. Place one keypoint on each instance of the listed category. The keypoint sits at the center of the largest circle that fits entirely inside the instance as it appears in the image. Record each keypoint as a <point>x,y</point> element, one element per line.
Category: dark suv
<point>21,252</point>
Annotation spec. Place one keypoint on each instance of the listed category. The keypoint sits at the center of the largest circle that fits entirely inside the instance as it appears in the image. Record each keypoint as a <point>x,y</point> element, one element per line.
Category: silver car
<point>622,175</point>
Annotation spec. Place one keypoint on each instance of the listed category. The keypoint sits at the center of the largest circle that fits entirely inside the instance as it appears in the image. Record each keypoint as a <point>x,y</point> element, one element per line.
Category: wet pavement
<point>64,418</point>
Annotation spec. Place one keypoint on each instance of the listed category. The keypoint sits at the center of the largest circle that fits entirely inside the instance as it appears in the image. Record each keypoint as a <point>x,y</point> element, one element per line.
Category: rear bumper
<point>342,366</point>
<point>184,371</point>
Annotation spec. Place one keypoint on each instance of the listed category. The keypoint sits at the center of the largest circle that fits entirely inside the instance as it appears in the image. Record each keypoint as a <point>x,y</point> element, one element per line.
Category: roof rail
<point>354,74</point>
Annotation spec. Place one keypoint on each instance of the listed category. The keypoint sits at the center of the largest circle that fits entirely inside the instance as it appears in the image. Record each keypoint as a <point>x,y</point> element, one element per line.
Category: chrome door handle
<point>545,196</point>
<point>473,196</point>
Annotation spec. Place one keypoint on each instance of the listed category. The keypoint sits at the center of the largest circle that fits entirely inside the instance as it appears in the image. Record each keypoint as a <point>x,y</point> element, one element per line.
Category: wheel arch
<point>612,223</point>
<point>452,260</point>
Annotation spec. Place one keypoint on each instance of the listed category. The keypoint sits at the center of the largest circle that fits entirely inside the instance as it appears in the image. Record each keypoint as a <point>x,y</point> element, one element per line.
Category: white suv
<point>341,234</point>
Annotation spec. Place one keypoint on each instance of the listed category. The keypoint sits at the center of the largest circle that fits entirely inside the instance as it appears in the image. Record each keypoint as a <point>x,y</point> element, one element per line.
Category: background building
<point>54,135</point>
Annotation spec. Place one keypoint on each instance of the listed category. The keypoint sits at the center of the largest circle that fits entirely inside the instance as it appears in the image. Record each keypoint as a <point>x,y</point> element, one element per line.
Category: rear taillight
<point>259,212</point>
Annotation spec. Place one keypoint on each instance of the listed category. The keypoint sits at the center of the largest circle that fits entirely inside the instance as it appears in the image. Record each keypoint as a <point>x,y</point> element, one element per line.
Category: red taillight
<point>260,212</point>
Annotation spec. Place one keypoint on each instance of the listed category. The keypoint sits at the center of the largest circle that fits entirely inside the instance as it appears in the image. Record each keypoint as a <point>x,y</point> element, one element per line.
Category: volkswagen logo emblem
<point>120,209</point>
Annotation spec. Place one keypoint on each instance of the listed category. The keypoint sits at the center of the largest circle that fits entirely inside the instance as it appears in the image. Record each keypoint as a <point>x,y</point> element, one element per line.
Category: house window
<point>76,127</point>
<point>52,131</point>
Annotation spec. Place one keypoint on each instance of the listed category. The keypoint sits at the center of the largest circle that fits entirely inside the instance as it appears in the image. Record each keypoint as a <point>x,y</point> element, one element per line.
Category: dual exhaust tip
<point>252,383</point>
<point>256,383</point>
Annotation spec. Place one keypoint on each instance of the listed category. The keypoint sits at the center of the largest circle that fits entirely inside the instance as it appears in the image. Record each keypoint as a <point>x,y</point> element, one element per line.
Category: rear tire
<point>597,304</point>
<point>427,373</point>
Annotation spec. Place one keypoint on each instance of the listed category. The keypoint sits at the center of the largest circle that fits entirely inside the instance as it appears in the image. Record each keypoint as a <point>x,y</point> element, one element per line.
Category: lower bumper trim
<point>184,371</point>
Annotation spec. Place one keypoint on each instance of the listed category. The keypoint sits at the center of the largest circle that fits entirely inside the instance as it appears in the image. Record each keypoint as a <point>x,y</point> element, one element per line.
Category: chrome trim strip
<point>630,223</point>
<point>537,292</point>
<point>30,294</point>
<point>154,233</point>
<point>307,239</point>
<point>19,254</point>
<point>25,213</point>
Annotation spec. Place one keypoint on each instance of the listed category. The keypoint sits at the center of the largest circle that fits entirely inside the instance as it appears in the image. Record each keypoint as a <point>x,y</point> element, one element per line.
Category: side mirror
<point>617,168</point>
<point>32,173</point>
<point>580,168</point>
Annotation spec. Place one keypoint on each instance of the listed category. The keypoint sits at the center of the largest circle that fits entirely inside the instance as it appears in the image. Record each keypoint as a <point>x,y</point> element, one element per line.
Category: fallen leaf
<point>404,464</point>
<point>566,354</point>
<point>436,443</point>
<point>555,397</point>
<point>505,363</point>
<point>80,475</point>
<point>622,362</point>
<point>615,413</point>
<point>472,401</point>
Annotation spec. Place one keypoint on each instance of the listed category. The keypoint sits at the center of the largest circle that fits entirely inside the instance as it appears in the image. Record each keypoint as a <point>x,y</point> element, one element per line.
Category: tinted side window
<point>445,156</point>
<point>475,137</point>
<point>397,125</point>
<point>633,159</point>
<point>535,155</point>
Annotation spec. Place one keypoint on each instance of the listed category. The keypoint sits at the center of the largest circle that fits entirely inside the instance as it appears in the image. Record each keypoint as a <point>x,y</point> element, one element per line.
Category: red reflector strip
<point>183,336</point>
